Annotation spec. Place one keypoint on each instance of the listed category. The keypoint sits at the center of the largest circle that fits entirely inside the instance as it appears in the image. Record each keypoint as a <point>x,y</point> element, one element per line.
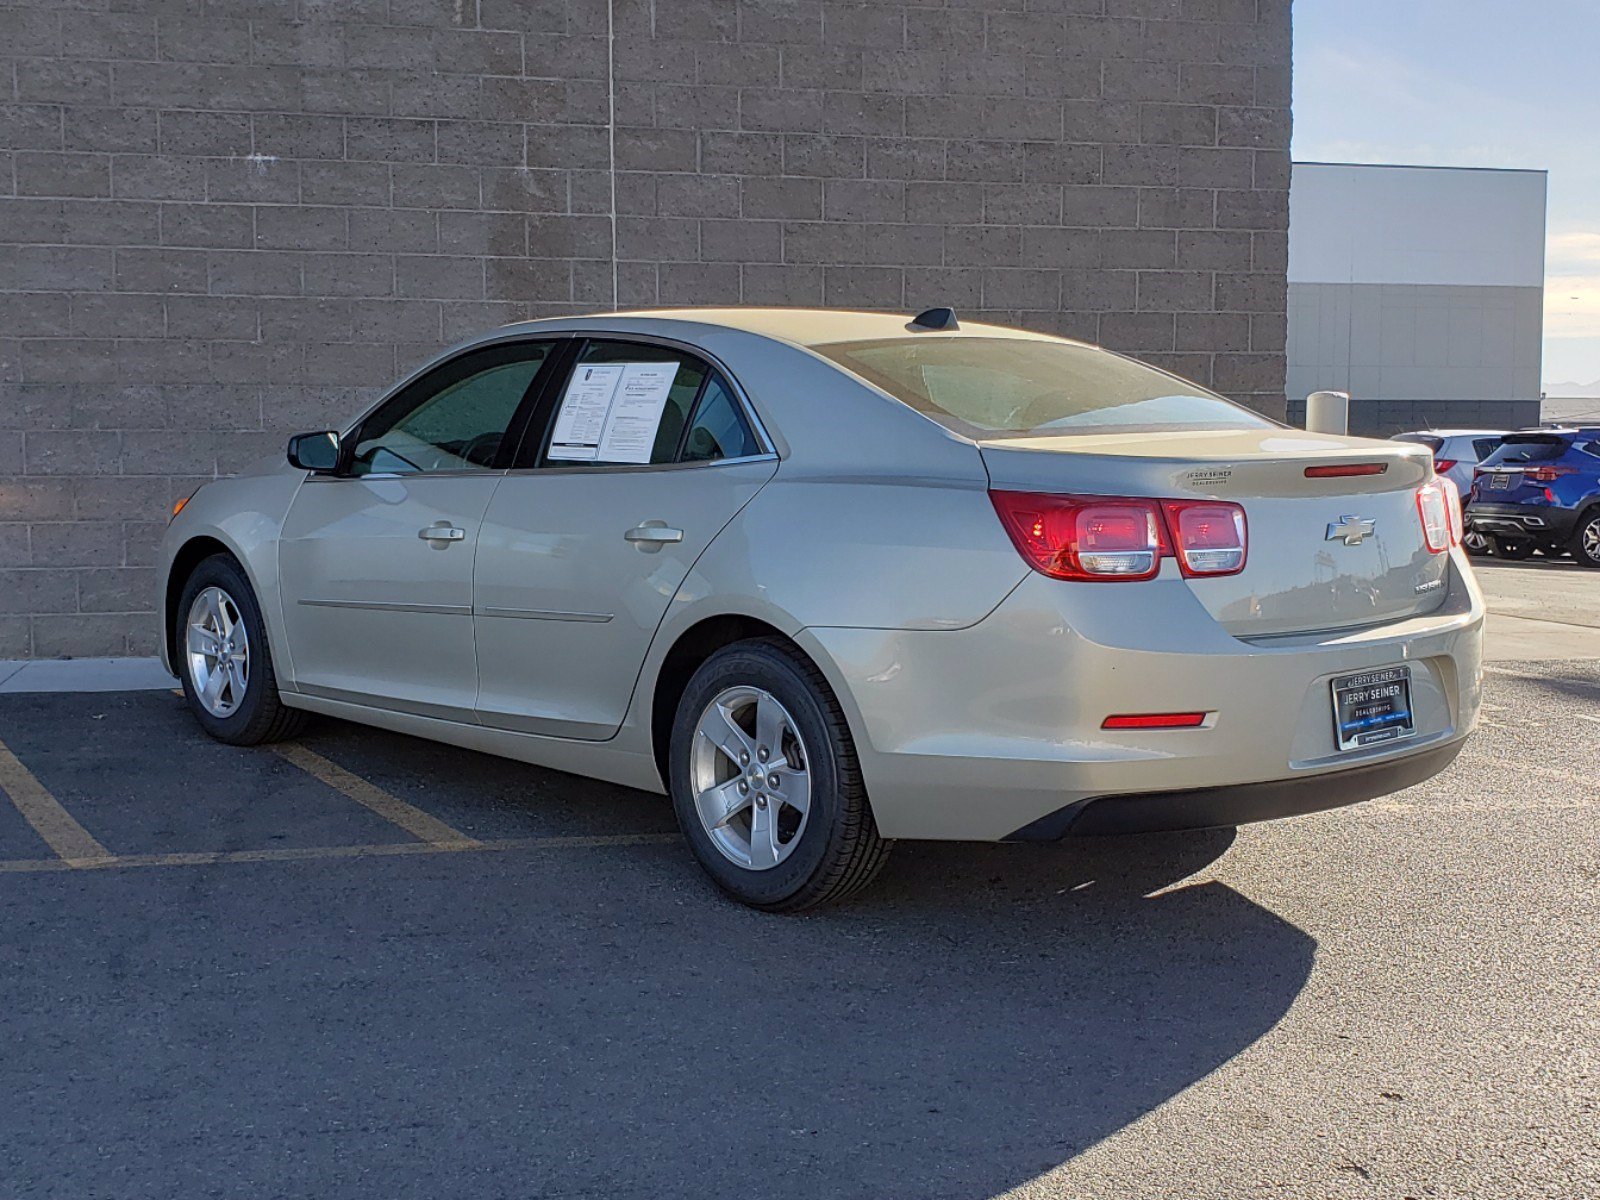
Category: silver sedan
<point>831,579</point>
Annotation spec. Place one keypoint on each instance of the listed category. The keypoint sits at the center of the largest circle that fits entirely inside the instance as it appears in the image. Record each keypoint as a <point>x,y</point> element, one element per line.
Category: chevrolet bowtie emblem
<point>1350,530</point>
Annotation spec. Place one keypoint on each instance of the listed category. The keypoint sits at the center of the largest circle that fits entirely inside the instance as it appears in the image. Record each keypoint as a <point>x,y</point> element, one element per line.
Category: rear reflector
<point>1185,720</point>
<point>1346,470</point>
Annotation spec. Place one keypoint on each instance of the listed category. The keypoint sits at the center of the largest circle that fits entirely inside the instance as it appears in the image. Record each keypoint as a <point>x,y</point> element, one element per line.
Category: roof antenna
<point>934,318</point>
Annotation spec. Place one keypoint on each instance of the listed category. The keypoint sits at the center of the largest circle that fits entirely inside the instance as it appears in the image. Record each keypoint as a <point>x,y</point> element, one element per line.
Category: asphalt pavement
<point>367,966</point>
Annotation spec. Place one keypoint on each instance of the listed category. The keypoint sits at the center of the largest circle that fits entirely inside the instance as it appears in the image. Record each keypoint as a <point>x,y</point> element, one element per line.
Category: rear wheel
<point>1475,543</point>
<point>1586,540</point>
<point>1513,548</point>
<point>224,661</point>
<point>765,781</point>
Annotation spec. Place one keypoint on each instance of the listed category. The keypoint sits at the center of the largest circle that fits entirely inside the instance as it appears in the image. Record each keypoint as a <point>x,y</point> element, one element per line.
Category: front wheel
<point>1586,541</point>
<point>224,660</point>
<point>765,781</point>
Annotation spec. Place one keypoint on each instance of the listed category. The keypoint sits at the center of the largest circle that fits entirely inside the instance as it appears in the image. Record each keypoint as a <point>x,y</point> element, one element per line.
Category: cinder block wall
<point>225,220</point>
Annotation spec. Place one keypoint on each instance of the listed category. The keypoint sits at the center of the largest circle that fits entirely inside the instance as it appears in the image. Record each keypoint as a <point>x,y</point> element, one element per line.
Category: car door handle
<point>442,533</point>
<point>652,535</point>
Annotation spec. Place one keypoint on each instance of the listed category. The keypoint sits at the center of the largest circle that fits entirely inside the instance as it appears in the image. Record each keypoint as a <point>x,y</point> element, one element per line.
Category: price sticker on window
<point>612,412</point>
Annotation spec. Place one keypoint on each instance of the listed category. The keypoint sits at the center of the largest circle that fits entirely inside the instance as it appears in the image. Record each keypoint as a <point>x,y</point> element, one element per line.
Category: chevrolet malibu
<point>829,579</point>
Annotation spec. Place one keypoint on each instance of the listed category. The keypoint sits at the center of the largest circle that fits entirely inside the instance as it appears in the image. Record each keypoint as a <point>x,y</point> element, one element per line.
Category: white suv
<point>1456,452</point>
<point>1456,455</point>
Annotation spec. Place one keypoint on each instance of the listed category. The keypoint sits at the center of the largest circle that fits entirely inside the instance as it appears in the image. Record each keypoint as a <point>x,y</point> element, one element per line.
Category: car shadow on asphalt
<point>601,1021</point>
<point>1034,1000</point>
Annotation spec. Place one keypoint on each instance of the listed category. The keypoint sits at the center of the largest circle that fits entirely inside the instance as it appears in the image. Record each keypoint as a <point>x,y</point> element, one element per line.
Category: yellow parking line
<point>312,853</point>
<point>391,808</point>
<point>43,811</point>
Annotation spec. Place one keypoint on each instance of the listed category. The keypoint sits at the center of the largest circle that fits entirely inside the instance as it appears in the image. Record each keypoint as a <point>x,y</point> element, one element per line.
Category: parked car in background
<point>1456,452</point>
<point>1456,455</point>
<point>833,578</point>
<point>1540,490</point>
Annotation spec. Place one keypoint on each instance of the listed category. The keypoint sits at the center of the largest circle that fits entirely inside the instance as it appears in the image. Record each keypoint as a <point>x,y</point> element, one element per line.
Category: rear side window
<point>1484,447</point>
<point>625,403</point>
<point>719,429</point>
<point>1518,449</point>
<point>1000,387</point>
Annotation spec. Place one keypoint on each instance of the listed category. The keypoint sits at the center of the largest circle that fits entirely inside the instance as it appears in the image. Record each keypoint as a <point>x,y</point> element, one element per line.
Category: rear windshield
<point>1432,443</point>
<point>997,387</point>
<point>1526,450</point>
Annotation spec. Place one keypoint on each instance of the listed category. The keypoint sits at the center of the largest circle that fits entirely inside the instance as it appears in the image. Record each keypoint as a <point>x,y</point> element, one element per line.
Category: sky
<point>1472,83</point>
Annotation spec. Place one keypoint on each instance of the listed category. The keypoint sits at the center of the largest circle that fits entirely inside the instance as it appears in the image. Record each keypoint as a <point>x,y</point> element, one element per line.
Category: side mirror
<point>317,452</point>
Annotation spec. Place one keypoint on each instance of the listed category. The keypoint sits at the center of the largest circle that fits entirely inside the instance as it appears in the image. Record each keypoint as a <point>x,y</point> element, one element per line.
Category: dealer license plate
<point>1372,707</point>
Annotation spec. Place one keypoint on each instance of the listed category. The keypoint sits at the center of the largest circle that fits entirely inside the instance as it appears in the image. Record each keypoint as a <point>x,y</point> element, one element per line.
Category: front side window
<point>452,419</point>
<point>1010,387</point>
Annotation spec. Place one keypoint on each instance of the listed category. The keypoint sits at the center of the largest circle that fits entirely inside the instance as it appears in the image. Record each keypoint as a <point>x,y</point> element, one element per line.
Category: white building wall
<point>1419,290</point>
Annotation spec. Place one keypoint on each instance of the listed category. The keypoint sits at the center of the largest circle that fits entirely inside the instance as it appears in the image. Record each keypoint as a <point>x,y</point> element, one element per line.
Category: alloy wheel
<point>218,647</point>
<point>1589,542</point>
<point>748,769</point>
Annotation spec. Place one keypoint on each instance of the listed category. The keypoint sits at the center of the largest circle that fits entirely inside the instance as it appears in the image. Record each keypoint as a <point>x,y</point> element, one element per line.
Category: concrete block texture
<point>220,224</point>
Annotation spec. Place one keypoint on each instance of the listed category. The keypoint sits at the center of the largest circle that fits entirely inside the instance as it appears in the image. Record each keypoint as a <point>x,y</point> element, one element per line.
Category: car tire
<point>1585,544</point>
<point>1475,544</point>
<point>739,815</point>
<point>1515,549</point>
<point>216,606</point>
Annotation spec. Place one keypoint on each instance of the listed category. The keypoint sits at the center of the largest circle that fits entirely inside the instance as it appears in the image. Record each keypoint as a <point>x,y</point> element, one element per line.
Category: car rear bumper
<point>1239,804</point>
<point>1543,522</point>
<point>981,733</point>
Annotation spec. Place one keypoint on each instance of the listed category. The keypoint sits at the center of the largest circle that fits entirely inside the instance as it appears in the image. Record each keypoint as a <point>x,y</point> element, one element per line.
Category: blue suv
<point>1540,490</point>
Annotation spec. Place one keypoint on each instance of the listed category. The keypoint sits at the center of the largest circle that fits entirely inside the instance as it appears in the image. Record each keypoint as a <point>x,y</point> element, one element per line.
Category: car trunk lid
<point>1326,551</point>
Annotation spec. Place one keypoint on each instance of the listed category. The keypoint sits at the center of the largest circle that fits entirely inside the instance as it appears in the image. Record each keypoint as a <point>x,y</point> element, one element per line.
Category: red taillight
<point>1442,465</point>
<point>1439,507</point>
<point>1547,474</point>
<point>1346,470</point>
<point>1084,537</point>
<point>1452,503</point>
<point>1184,720</point>
<point>1122,537</point>
<point>1208,535</point>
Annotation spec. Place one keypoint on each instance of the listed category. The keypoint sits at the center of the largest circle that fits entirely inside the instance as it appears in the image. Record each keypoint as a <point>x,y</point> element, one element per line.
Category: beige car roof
<point>804,326</point>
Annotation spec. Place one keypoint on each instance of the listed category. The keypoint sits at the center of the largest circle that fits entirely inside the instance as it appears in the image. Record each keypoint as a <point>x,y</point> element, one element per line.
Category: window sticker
<point>582,419</point>
<point>611,412</point>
